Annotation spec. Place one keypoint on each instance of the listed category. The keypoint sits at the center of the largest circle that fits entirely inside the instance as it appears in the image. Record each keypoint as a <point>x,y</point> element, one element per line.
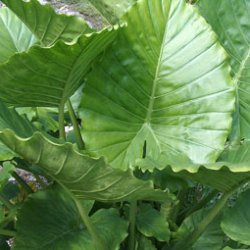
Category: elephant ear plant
<point>132,136</point>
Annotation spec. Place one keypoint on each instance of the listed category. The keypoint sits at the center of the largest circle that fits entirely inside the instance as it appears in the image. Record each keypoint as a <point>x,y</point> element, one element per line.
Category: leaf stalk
<point>87,222</point>
<point>132,221</point>
<point>79,140</point>
<point>189,240</point>
<point>62,134</point>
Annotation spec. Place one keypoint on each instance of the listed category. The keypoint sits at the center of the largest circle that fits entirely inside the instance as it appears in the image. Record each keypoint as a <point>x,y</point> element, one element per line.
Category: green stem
<point>6,202</point>
<point>7,233</point>
<point>22,183</point>
<point>87,222</point>
<point>132,220</point>
<point>79,140</point>
<point>188,241</point>
<point>62,134</point>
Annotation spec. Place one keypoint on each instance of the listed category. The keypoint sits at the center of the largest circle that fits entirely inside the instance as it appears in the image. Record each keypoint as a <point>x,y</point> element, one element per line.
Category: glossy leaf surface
<point>230,20</point>
<point>45,24</point>
<point>236,220</point>
<point>59,225</point>
<point>160,89</point>
<point>47,77</point>
<point>14,35</point>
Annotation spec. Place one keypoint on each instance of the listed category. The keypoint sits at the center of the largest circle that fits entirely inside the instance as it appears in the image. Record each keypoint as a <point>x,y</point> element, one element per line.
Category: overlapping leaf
<point>49,76</point>
<point>45,24</point>
<point>168,90</point>
<point>15,36</point>
<point>236,220</point>
<point>211,239</point>
<point>82,175</point>
<point>230,172</point>
<point>62,224</point>
<point>230,19</point>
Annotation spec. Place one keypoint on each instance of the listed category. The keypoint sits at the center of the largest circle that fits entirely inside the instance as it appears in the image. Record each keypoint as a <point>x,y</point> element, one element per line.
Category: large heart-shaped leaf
<point>49,76</point>
<point>168,89</point>
<point>236,220</point>
<point>80,174</point>
<point>59,225</point>
<point>15,36</point>
<point>45,24</point>
<point>230,20</point>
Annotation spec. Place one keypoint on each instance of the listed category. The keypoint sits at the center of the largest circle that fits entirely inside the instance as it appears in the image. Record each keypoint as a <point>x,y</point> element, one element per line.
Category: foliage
<point>134,132</point>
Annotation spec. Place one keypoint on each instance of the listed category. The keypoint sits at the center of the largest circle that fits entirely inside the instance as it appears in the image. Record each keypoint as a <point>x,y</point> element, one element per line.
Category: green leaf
<point>151,223</point>
<point>229,248</point>
<point>112,10</point>
<point>14,35</point>
<point>236,220</point>
<point>10,119</point>
<point>47,77</point>
<point>229,173</point>
<point>211,239</point>
<point>59,225</point>
<point>159,89</point>
<point>5,153</point>
<point>45,24</point>
<point>230,20</point>
<point>82,175</point>
<point>144,244</point>
<point>6,171</point>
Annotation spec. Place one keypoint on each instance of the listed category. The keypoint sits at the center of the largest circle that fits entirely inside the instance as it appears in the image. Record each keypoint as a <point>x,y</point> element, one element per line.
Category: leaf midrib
<point>155,81</point>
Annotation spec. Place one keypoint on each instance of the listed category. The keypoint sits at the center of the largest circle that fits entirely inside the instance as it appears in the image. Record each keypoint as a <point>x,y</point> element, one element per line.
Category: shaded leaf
<point>5,173</point>
<point>112,10</point>
<point>211,239</point>
<point>144,244</point>
<point>14,35</point>
<point>151,223</point>
<point>45,24</point>
<point>5,153</point>
<point>60,226</point>
<point>47,77</point>
<point>153,92</point>
<point>236,220</point>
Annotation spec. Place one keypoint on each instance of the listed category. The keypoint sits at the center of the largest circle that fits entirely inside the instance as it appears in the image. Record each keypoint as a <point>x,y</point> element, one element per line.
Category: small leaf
<point>5,153</point>
<point>59,225</point>
<point>5,173</point>
<point>144,244</point>
<point>236,220</point>
<point>151,223</point>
